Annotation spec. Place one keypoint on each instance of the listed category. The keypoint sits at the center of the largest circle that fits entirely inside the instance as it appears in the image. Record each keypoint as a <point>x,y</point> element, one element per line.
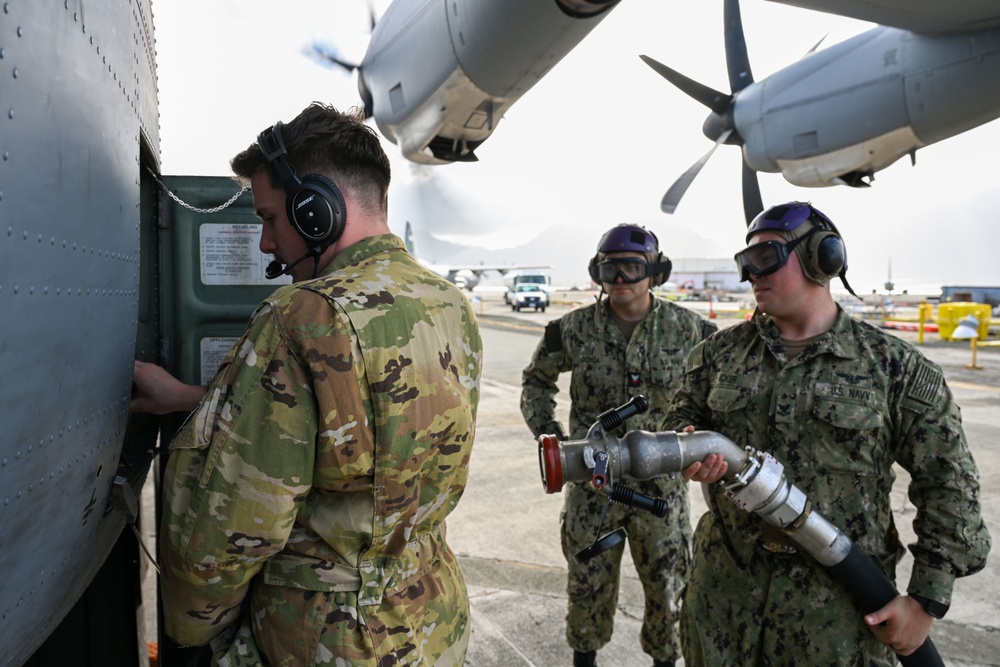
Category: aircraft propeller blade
<point>737,58</point>
<point>326,56</point>
<point>753,204</point>
<point>720,126</point>
<point>711,98</point>
<point>741,76</point>
<point>816,45</point>
<point>673,196</point>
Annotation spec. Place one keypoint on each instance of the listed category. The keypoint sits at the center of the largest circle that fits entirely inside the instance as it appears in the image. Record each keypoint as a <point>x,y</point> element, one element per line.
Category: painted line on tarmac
<point>975,387</point>
<point>495,628</point>
<point>498,323</point>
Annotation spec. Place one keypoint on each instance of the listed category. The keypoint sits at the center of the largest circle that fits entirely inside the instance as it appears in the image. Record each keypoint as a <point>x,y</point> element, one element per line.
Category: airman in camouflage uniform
<point>838,402</point>
<point>306,496</point>
<point>608,368</point>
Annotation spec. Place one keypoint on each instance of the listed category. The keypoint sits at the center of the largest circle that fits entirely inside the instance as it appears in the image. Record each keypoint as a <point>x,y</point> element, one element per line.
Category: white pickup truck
<point>528,295</point>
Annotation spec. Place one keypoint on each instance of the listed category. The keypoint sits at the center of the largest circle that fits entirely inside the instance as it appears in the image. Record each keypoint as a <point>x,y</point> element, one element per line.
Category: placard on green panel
<point>212,274</point>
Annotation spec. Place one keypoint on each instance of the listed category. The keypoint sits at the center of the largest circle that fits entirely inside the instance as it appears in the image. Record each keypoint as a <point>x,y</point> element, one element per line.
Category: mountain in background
<point>567,250</point>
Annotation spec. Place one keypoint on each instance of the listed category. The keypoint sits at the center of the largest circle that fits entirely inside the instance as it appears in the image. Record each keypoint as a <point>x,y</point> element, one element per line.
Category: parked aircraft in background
<point>439,76</point>
<point>466,276</point>
<point>839,115</point>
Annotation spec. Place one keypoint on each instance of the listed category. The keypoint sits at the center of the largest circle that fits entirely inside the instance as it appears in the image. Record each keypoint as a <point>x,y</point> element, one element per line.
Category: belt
<point>311,574</point>
<point>294,570</point>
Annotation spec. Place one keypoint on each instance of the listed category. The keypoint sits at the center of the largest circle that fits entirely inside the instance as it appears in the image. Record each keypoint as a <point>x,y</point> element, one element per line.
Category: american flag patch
<point>925,386</point>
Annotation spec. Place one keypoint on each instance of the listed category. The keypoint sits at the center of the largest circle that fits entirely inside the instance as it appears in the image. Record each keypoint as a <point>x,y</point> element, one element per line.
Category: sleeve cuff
<point>931,583</point>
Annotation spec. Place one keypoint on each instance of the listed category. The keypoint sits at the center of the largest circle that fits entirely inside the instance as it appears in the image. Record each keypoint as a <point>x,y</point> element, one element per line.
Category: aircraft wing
<point>465,275</point>
<point>919,16</point>
<point>502,269</point>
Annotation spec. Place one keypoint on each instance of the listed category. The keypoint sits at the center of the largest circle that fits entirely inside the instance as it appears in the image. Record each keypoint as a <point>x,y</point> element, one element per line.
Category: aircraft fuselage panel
<point>79,103</point>
<point>450,70</point>
<point>900,92</point>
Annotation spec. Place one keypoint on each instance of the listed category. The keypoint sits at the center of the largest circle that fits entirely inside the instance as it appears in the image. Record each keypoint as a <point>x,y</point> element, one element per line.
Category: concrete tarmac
<point>506,528</point>
<point>506,534</point>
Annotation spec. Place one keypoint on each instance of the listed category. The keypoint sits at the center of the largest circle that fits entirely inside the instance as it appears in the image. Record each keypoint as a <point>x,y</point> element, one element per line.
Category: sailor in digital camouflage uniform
<point>838,402</point>
<point>626,345</point>
<point>306,496</point>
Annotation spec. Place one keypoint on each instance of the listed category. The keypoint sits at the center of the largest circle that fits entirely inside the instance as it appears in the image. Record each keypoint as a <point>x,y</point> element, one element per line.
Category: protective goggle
<point>766,257</point>
<point>628,269</point>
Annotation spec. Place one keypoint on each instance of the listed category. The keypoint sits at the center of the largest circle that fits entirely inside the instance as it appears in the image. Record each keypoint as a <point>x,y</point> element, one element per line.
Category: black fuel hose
<point>871,591</point>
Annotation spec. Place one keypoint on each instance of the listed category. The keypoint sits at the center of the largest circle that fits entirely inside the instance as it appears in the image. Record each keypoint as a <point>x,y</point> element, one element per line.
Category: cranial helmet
<point>632,238</point>
<point>822,255</point>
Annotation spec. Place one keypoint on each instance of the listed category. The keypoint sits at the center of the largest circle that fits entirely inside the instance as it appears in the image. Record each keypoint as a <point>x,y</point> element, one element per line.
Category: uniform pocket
<point>849,420</point>
<point>727,398</point>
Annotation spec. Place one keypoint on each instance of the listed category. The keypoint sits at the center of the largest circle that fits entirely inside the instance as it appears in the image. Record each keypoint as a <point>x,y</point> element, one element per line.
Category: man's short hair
<point>337,145</point>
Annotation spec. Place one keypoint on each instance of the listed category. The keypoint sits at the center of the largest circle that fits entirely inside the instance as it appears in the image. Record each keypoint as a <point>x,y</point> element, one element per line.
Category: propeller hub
<point>716,124</point>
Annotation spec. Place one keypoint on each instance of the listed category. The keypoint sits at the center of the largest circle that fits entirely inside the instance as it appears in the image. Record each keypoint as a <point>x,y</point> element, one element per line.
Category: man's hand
<point>902,625</point>
<point>709,471</point>
<point>156,391</point>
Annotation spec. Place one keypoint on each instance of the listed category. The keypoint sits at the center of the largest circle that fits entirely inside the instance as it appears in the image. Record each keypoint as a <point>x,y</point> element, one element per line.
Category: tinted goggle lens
<point>762,259</point>
<point>765,258</point>
<point>630,270</point>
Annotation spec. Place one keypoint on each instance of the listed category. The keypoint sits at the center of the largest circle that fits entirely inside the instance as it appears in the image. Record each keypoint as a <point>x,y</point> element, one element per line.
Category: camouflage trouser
<point>660,550</point>
<point>241,650</point>
<point>778,610</point>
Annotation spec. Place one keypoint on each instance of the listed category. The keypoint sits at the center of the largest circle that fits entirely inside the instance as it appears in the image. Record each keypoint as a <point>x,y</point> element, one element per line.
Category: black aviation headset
<point>314,204</point>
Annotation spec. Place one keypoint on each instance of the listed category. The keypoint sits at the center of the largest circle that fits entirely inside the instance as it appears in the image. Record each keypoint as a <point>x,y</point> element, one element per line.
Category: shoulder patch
<point>926,384</point>
<point>695,358</point>
<point>553,337</point>
<point>708,327</point>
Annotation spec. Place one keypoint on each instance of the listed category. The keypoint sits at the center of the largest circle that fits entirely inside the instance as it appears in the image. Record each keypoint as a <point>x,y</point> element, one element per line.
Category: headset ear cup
<point>827,256</point>
<point>592,269</point>
<point>317,210</point>
<point>661,278</point>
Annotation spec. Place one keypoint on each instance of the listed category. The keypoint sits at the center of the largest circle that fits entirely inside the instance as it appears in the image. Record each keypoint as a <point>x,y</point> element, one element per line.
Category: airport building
<point>967,293</point>
<point>712,273</point>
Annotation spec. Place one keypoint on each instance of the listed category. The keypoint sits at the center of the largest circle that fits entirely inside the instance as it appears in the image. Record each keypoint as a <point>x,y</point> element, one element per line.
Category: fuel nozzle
<point>591,459</point>
<point>573,461</point>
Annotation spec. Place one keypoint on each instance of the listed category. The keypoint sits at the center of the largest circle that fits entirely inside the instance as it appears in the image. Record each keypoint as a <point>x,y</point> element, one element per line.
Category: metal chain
<point>214,209</point>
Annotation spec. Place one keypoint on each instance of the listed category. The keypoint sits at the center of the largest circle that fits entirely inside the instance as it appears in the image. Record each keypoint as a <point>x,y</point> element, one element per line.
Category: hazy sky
<point>595,143</point>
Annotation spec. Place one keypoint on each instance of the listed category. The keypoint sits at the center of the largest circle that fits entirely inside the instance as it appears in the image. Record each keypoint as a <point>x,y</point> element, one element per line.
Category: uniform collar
<point>362,250</point>
<point>838,341</point>
<point>602,314</point>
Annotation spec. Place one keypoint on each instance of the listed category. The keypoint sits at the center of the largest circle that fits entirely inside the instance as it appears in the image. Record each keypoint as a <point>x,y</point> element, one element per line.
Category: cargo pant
<point>660,549</point>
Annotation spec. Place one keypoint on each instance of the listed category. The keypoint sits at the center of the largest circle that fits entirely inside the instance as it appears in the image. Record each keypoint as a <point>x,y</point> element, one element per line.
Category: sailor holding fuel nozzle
<point>628,343</point>
<point>834,403</point>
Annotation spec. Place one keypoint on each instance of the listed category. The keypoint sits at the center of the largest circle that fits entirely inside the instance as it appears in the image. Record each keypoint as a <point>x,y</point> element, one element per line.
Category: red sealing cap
<point>550,463</point>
